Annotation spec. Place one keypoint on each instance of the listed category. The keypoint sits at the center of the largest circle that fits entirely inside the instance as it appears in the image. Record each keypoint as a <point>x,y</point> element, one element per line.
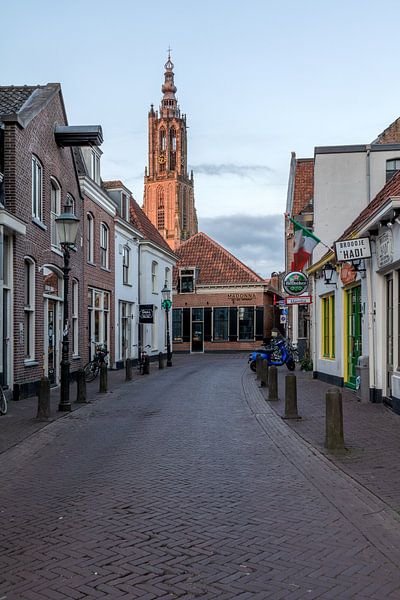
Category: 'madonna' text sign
<point>349,250</point>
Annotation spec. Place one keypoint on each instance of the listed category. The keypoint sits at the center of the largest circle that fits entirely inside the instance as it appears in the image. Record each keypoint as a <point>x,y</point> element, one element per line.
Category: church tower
<point>168,189</point>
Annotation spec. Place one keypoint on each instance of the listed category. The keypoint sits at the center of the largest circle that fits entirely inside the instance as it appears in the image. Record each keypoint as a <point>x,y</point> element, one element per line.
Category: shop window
<point>328,326</point>
<point>29,309</point>
<point>392,166</point>
<point>187,281</point>
<point>246,323</point>
<point>220,324</point>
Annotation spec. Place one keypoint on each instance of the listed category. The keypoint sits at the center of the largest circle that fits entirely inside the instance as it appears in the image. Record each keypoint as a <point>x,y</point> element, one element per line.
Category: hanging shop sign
<point>146,313</point>
<point>349,250</point>
<point>384,249</point>
<point>290,300</point>
<point>295,283</point>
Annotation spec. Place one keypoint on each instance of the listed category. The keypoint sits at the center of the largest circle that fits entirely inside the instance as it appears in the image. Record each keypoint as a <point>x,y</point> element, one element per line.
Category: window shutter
<point>259,322</point>
<point>207,324</point>
<point>233,311</point>
<point>186,325</point>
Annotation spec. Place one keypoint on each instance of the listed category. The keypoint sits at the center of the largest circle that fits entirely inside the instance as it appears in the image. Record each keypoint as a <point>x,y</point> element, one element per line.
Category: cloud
<point>256,240</point>
<point>213,169</point>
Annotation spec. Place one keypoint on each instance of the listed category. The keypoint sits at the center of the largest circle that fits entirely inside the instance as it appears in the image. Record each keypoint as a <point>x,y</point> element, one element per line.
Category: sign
<point>166,304</point>
<point>349,250</point>
<point>298,300</point>
<point>295,283</point>
<point>282,319</point>
<point>384,249</point>
<point>348,274</point>
<point>146,312</point>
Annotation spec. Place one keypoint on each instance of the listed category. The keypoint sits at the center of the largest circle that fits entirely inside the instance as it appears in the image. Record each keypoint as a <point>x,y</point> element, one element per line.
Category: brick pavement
<point>188,485</point>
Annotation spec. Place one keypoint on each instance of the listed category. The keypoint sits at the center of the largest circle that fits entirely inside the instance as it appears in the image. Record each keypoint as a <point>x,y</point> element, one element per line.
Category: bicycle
<point>3,402</point>
<point>92,368</point>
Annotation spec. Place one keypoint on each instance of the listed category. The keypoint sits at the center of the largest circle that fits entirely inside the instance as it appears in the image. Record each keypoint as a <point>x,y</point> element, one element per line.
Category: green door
<point>354,339</point>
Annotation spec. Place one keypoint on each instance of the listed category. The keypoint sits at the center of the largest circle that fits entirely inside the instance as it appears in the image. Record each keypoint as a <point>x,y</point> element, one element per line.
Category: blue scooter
<point>278,354</point>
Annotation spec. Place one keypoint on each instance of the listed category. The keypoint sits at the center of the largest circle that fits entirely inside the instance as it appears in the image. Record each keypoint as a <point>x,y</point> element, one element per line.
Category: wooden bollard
<point>264,373</point>
<point>161,363</point>
<point>128,369</point>
<point>258,366</point>
<point>103,379</point>
<point>43,407</point>
<point>291,397</point>
<point>146,365</point>
<point>334,439</point>
<point>273,383</point>
<point>81,387</point>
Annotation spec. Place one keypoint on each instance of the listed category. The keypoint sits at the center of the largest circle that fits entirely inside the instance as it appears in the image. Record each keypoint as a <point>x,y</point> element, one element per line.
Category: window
<point>187,281</point>
<point>220,324</point>
<point>392,166</point>
<point>176,324</point>
<point>37,188</point>
<point>154,267</point>
<point>95,167</point>
<point>29,309</point>
<point>90,237</point>
<point>125,265</point>
<point>75,317</point>
<point>55,209</point>
<point>104,245</point>
<point>328,326</point>
<point>246,323</point>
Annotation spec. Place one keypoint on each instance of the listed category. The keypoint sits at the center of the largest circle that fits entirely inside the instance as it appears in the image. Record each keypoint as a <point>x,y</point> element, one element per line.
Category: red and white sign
<point>290,300</point>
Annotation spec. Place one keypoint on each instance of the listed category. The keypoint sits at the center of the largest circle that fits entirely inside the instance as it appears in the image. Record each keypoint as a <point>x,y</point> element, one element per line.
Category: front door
<point>197,330</point>
<point>353,333</point>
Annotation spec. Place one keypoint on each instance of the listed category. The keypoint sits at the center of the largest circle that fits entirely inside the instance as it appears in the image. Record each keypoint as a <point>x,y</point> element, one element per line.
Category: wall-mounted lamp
<point>328,271</point>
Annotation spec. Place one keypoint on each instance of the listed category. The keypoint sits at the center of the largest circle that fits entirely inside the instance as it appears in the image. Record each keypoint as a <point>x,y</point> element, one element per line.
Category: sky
<point>257,80</point>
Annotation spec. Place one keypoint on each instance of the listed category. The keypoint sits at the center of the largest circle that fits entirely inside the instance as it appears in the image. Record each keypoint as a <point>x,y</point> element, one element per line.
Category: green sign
<point>166,304</point>
<point>295,283</point>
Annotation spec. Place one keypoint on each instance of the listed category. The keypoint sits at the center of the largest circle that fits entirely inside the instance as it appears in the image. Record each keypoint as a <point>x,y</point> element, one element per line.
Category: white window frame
<point>104,245</point>
<point>154,273</point>
<point>37,188</point>
<point>29,308</point>
<point>55,190</point>
<point>75,317</point>
<point>126,265</point>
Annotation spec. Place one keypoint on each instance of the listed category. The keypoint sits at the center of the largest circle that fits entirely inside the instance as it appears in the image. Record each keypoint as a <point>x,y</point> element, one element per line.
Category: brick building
<point>37,174</point>
<point>219,304</point>
<point>168,188</point>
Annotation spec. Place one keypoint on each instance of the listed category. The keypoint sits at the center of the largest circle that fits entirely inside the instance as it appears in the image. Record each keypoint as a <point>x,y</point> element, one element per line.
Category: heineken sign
<point>295,283</point>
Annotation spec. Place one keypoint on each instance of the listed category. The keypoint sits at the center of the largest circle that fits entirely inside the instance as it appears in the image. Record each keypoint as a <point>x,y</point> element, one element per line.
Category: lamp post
<point>166,304</point>
<point>67,228</point>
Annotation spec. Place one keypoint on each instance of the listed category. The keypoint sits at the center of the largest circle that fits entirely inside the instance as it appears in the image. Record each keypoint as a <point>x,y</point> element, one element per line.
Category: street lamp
<point>166,304</point>
<point>67,227</point>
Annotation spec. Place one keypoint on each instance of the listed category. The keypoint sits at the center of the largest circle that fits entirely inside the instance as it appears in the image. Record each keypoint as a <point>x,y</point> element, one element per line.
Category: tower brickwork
<point>168,188</point>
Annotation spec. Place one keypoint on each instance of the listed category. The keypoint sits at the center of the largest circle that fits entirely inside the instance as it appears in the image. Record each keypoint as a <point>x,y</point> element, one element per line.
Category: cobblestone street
<point>187,484</point>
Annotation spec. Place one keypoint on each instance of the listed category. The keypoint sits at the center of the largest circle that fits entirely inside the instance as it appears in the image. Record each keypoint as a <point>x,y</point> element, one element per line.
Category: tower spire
<point>169,104</point>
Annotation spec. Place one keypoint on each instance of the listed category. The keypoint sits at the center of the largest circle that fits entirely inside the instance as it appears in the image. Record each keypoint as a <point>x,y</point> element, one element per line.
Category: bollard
<point>291,397</point>
<point>81,387</point>
<point>160,360</point>
<point>273,383</point>
<point>334,439</point>
<point>258,366</point>
<point>103,379</point>
<point>128,369</point>
<point>146,365</point>
<point>43,407</point>
<point>264,373</point>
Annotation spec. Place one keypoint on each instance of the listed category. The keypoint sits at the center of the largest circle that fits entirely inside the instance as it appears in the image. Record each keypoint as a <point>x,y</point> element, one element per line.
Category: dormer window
<point>187,279</point>
<point>392,166</point>
<point>95,166</point>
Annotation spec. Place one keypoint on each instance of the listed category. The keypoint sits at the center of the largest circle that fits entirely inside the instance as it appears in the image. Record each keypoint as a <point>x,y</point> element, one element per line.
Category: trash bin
<point>362,381</point>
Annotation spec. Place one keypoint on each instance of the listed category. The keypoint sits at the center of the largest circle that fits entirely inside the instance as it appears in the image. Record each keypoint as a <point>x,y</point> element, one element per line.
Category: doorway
<point>197,330</point>
<point>353,334</point>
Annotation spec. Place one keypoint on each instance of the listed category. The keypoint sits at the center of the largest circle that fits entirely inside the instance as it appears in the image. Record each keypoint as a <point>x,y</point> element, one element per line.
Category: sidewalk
<point>371,432</point>
<point>20,421</point>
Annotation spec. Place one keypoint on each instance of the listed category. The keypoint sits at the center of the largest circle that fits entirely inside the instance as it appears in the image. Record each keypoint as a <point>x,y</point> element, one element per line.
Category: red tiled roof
<point>113,185</point>
<point>392,188</point>
<point>216,265</point>
<point>303,185</point>
<point>145,226</point>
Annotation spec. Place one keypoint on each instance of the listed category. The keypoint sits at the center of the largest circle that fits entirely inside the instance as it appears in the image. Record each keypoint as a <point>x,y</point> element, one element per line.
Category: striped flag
<point>304,243</point>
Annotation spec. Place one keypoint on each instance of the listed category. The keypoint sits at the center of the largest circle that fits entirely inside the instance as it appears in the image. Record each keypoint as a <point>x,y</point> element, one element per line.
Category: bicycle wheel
<point>91,370</point>
<point>3,402</point>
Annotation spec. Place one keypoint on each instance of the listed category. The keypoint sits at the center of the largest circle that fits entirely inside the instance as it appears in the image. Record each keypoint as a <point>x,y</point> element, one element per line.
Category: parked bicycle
<point>3,402</point>
<point>92,368</point>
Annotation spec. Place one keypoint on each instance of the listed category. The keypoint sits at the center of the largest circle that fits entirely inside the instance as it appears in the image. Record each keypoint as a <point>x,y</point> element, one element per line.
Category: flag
<point>304,243</point>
